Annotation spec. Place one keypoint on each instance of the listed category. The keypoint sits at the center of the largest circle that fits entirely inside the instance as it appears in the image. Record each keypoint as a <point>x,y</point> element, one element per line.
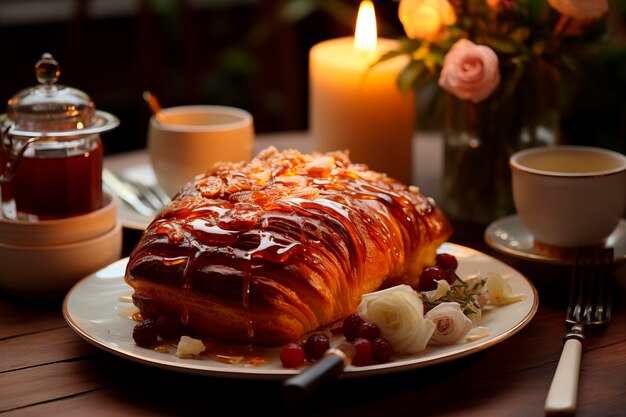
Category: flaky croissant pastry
<point>265,252</point>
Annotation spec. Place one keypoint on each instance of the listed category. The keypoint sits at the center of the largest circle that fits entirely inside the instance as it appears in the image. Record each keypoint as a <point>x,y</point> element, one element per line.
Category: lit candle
<point>359,108</point>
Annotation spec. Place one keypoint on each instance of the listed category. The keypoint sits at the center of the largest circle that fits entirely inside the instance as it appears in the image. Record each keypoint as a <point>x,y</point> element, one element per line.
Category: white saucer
<point>510,236</point>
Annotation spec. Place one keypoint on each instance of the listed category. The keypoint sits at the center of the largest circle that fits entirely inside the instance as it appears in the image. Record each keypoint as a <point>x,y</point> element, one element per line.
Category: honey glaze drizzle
<point>131,313</point>
<point>245,301</point>
<point>234,354</point>
<point>186,286</point>
<point>174,261</point>
<point>228,353</point>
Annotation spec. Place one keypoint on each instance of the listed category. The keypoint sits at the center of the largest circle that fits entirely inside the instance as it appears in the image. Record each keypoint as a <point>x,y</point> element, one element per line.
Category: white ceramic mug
<point>186,141</point>
<point>569,196</point>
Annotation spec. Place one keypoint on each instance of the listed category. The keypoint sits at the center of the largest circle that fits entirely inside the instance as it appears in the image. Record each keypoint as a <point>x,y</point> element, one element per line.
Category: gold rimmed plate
<point>97,309</point>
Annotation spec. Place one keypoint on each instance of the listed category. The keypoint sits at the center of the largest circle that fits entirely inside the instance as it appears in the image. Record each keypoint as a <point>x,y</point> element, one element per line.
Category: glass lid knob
<point>52,109</point>
<point>47,70</point>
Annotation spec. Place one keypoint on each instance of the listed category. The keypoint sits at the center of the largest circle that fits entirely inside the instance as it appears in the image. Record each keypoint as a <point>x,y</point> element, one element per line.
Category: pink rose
<point>470,71</point>
<point>450,323</point>
<point>423,19</point>
<point>581,9</point>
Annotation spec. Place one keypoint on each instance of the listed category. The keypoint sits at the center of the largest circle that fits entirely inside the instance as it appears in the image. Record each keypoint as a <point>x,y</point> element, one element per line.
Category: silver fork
<point>589,306</point>
<point>143,199</point>
<point>153,194</point>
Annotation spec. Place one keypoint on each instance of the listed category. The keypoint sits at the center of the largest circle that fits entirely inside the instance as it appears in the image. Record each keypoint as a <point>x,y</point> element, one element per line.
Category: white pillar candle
<point>356,107</point>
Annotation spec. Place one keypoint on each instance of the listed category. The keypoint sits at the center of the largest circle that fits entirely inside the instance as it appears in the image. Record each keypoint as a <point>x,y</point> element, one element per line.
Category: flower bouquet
<point>495,71</point>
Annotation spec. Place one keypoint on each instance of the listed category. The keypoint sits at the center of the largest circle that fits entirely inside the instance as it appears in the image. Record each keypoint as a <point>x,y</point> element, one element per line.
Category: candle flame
<point>365,34</point>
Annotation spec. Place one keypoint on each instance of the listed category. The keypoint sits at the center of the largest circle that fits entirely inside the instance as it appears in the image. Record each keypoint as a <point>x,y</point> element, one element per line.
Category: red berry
<point>446,261</point>
<point>351,326</point>
<point>292,355</point>
<point>382,350</point>
<point>368,331</point>
<point>315,346</point>
<point>145,333</point>
<point>430,276</point>
<point>363,352</point>
<point>450,277</point>
<point>168,327</point>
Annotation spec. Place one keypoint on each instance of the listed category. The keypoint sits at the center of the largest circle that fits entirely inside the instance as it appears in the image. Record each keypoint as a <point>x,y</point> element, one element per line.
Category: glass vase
<point>479,139</point>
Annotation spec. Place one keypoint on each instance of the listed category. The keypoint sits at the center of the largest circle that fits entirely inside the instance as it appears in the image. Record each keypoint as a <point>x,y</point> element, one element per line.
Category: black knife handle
<point>303,386</point>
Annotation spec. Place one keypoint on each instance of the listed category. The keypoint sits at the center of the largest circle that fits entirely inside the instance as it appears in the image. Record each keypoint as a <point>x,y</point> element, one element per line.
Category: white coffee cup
<point>569,196</point>
<point>186,141</point>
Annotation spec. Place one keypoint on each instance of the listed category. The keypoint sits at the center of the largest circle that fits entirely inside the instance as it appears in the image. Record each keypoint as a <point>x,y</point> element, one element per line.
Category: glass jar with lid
<point>50,149</point>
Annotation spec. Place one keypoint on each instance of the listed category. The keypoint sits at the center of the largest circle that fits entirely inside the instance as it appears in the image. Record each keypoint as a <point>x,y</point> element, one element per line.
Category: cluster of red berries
<point>369,346</point>
<point>444,269</point>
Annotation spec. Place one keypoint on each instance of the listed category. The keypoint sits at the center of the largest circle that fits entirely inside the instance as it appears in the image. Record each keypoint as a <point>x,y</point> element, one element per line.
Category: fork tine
<point>600,301</point>
<point>572,311</point>
<point>576,308</point>
<point>589,289</point>
<point>573,305</point>
<point>150,196</point>
<point>604,289</point>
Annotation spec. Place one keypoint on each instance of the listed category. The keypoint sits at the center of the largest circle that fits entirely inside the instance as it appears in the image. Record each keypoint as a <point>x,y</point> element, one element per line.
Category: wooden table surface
<point>48,370</point>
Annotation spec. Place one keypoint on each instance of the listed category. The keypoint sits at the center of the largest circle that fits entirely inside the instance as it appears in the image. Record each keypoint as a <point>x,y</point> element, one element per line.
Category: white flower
<point>474,283</point>
<point>442,289</point>
<point>399,313</point>
<point>581,9</point>
<point>189,347</point>
<point>450,323</point>
<point>499,290</point>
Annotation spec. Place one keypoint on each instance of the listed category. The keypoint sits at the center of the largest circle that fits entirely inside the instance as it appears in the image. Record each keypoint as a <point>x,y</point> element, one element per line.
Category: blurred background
<point>251,54</point>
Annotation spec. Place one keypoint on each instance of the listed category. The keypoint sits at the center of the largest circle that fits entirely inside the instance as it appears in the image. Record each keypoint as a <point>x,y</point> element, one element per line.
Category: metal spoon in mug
<point>154,105</point>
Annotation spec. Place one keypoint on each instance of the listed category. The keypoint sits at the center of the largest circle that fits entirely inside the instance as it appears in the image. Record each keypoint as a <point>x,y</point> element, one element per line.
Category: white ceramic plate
<point>95,310</point>
<point>509,235</point>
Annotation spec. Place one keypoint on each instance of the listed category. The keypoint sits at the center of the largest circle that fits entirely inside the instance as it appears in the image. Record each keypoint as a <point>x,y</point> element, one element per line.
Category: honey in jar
<point>51,152</point>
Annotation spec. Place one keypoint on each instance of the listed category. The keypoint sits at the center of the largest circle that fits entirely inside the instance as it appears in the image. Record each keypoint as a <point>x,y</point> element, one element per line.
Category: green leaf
<point>407,47</point>
<point>388,55</point>
<point>423,80</point>
<point>437,57</point>
<point>409,74</point>
<point>520,35</point>
<point>297,10</point>
<point>501,46</point>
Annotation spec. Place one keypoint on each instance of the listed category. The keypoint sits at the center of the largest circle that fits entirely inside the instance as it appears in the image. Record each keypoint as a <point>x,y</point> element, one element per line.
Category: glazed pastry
<point>265,252</point>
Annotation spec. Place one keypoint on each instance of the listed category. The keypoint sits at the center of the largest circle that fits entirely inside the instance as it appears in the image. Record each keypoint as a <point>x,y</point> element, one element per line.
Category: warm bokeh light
<point>365,33</point>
